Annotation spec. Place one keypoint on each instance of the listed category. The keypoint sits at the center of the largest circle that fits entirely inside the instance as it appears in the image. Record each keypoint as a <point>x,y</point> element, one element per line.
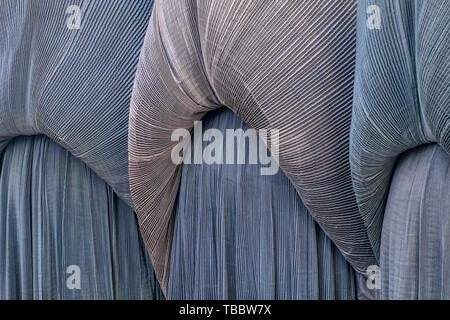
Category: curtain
<point>72,84</point>
<point>241,235</point>
<point>56,215</point>
<point>285,66</point>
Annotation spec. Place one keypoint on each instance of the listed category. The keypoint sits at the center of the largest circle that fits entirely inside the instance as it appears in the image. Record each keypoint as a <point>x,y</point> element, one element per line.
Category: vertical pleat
<point>56,213</point>
<point>415,260</point>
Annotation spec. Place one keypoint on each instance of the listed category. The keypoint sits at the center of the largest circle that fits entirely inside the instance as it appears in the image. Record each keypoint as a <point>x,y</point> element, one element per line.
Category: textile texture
<point>401,99</point>
<point>73,85</point>
<point>241,235</point>
<point>415,260</point>
<point>286,66</point>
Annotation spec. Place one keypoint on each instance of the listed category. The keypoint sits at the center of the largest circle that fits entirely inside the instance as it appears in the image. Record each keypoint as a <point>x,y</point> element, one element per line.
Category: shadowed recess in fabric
<point>240,235</point>
<point>57,216</point>
<point>415,260</point>
<point>282,65</point>
<point>402,96</point>
<point>73,85</point>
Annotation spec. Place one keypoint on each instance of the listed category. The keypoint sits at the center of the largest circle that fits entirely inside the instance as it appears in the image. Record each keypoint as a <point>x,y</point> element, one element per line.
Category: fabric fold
<point>401,98</point>
<point>241,235</point>
<point>64,233</point>
<point>285,66</point>
<point>415,261</point>
<point>66,71</point>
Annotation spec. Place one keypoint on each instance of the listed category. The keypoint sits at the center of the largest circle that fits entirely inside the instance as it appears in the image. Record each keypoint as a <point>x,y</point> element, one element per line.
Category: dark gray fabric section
<point>415,242</point>
<point>54,213</point>
<point>73,85</point>
<point>402,95</point>
<point>241,235</point>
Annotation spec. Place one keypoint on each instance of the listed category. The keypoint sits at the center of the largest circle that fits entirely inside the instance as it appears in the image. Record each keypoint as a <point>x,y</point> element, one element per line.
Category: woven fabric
<point>283,65</point>
<point>73,85</point>
<point>240,235</point>
<point>415,261</point>
<point>402,95</point>
<point>56,213</point>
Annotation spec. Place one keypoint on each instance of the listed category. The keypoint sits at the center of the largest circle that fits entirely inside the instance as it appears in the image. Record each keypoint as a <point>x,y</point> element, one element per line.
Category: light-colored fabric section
<point>56,213</point>
<point>285,65</point>
<point>402,94</point>
<point>72,85</point>
<point>415,260</point>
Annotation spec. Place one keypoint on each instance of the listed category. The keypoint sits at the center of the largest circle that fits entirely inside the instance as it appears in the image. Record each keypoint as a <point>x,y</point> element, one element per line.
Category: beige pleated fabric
<point>285,65</point>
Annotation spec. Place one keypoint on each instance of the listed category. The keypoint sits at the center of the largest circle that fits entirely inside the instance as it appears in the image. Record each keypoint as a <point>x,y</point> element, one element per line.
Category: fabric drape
<point>287,65</point>
<point>56,213</point>
<point>415,261</point>
<point>402,96</point>
<point>240,235</point>
<point>73,85</point>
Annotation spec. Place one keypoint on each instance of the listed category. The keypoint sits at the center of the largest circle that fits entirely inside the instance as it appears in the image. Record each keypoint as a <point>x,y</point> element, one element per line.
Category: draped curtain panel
<point>401,99</point>
<point>73,85</point>
<point>283,65</point>
<point>415,260</point>
<point>240,235</point>
<point>56,214</point>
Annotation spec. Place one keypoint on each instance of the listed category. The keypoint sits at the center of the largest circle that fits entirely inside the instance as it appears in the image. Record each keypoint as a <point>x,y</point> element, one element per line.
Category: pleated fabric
<point>402,95</point>
<point>415,260</point>
<point>57,213</point>
<point>240,235</point>
<point>73,85</point>
<point>283,65</point>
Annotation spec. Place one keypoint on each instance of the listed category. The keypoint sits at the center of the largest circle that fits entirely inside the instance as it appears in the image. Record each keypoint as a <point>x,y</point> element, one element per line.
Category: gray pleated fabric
<point>415,242</point>
<point>402,95</point>
<point>56,213</point>
<point>240,235</point>
<point>72,85</point>
<point>285,65</point>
